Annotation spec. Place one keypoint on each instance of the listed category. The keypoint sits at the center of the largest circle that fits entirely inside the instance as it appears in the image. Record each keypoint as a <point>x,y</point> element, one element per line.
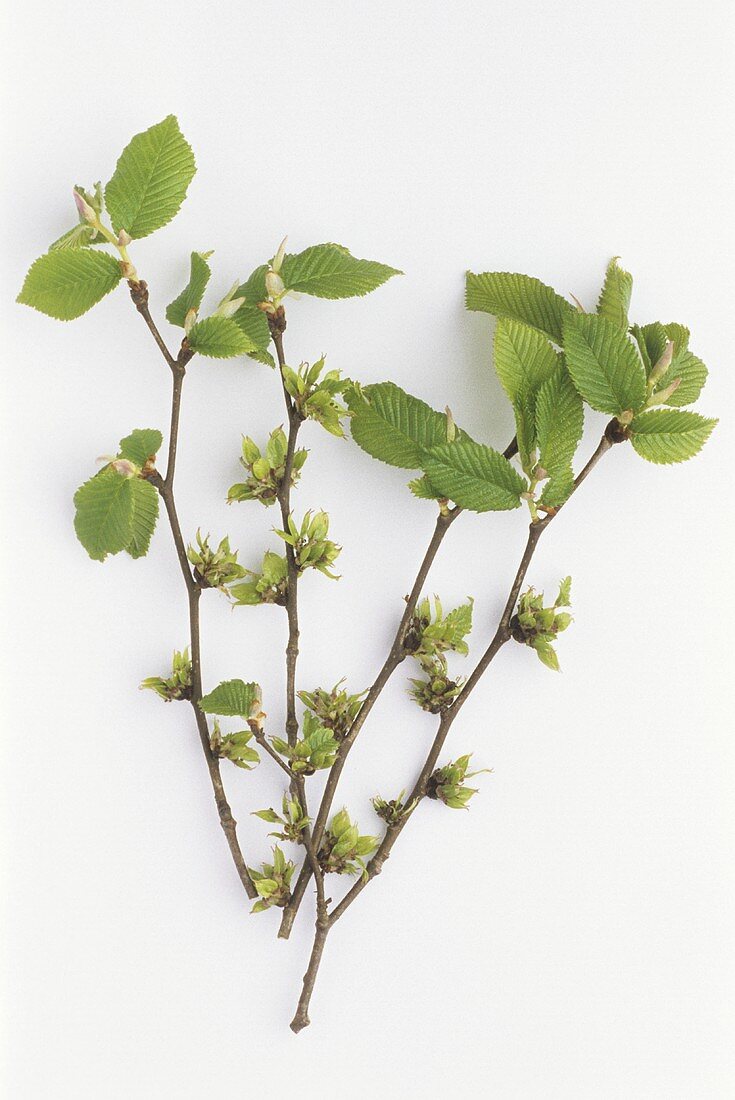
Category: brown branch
<point>139,294</point>
<point>393,831</point>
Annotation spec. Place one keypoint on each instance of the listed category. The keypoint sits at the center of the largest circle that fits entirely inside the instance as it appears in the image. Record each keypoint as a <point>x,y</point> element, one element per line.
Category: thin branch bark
<point>165,487</point>
<point>501,636</point>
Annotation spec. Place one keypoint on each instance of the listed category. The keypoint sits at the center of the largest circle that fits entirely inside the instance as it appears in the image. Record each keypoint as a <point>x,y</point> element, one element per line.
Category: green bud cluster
<point>342,848</point>
<point>335,709</point>
<point>268,586</point>
<point>537,626</point>
<point>430,635</point>
<point>293,820</point>
<point>447,783</point>
<point>266,471</point>
<point>214,568</point>
<point>178,685</point>
<point>395,810</point>
<point>314,394</point>
<point>273,882</point>
<point>312,549</point>
<point>316,749</point>
<point>235,747</point>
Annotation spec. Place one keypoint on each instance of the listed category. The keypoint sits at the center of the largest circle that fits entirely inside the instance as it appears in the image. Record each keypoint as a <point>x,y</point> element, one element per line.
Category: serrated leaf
<point>65,284</point>
<point>252,321</point>
<point>422,488</point>
<point>104,514</point>
<point>669,435</point>
<point>140,445</point>
<point>150,180</point>
<point>693,374</point>
<point>330,271</point>
<point>523,357</point>
<point>559,422</point>
<point>558,488</point>
<point>192,294</point>
<point>519,297</point>
<point>232,698</point>
<point>80,236</point>
<point>604,364</point>
<point>474,476</point>
<point>144,516</point>
<point>253,290</point>
<point>219,338</point>
<point>395,427</point>
<point>614,301</point>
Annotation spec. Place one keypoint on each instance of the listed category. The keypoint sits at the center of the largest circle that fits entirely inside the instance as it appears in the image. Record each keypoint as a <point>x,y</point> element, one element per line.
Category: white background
<point>571,936</point>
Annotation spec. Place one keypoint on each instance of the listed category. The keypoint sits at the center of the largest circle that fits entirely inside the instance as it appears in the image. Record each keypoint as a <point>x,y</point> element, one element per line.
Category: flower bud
<point>278,258</point>
<point>125,467</point>
<point>86,212</point>
<point>663,364</point>
<point>189,320</point>
<point>663,396</point>
<point>123,239</point>
<point>228,308</point>
<point>451,426</point>
<point>274,284</point>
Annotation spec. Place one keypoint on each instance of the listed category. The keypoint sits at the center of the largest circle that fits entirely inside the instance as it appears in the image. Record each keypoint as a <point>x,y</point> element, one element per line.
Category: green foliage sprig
<point>557,364</point>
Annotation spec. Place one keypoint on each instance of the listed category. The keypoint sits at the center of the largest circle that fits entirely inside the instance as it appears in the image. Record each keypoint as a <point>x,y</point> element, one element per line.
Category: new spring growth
<point>430,635</point>
<point>266,471</point>
<point>274,285</point>
<point>343,848</point>
<point>273,882</point>
<point>447,784</point>
<point>312,549</point>
<point>229,305</point>
<point>234,747</point>
<point>292,820</point>
<point>178,684</point>
<point>335,709</point>
<point>268,586</point>
<point>393,811</point>
<point>538,626</point>
<point>316,748</point>
<point>214,568</point>
<point>315,394</point>
<point>90,205</point>
<point>658,373</point>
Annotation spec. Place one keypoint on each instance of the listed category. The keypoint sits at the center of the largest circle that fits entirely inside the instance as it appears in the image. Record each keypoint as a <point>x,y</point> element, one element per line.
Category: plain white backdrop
<point>571,936</point>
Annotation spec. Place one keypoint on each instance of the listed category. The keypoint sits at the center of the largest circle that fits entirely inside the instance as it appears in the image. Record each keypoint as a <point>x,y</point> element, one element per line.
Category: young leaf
<point>252,322</point>
<point>104,514</point>
<point>604,364</point>
<point>393,426</point>
<point>614,301</point>
<point>65,284</point>
<point>524,358</point>
<point>474,476</point>
<point>520,298</point>
<point>558,488</point>
<point>559,422</point>
<point>192,294</point>
<point>233,698</point>
<point>144,516</point>
<point>693,375</point>
<point>219,338</point>
<point>150,180</point>
<point>253,290</point>
<point>669,435</point>
<point>140,445</point>
<point>330,271</point>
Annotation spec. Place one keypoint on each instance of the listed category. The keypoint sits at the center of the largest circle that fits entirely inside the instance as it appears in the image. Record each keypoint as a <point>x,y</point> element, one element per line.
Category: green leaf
<point>520,298</point>
<point>192,294</point>
<point>150,180</point>
<point>604,364</point>
<point>330,271</point>
<point>524,358</point>
<point>422,488</point>
<point>559,422</point>
<point>104,514</point>
<point>393,426</point>
<point>669,435</point>
<point>219,338</point>
<point>546,653</point>
<point>81,235</point>
<point>474,476</point>
<point>558,488</point>
<point>614,301</point>
<point>65,284</point>
<point>693,375</point>
<point>233,698</point>
<point>253,323</point>
<point>253,289</point>
<point>145,514</point>
<point>140,445</point>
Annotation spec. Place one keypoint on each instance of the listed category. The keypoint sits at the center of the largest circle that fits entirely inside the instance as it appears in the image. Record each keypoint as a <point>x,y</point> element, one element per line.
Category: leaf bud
<point>86,212</point>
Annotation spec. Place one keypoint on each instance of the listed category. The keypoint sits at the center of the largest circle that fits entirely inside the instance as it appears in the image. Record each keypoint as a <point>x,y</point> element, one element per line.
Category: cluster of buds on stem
<point>335,709</point>
<point>343,849</point>
<point>429,636</point>
<point>311,547</point>
<point>447,784</point>
<point>395,810</point>
<point>314,394</point>
<point>268,586</point>
<point>266,471</point>
<point>273,882</point>
<point>214,568</point>
<point>178,684</point>
<point>292,821</point>
<point>538,626</point>
<point>315,749</point>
